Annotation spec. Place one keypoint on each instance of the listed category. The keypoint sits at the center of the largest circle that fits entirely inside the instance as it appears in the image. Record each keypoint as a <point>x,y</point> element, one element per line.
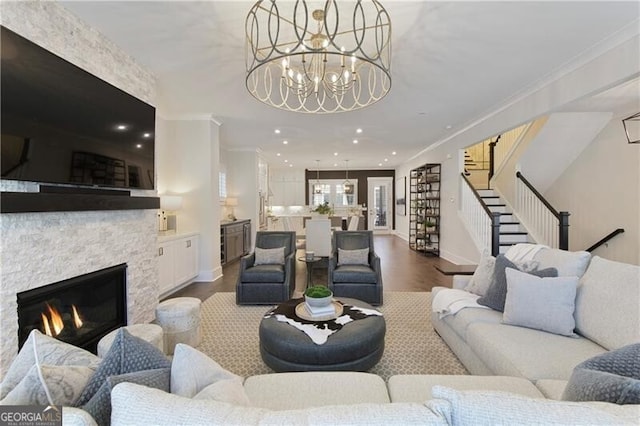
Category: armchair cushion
<point>264,274</point>
<point>354,274</point>
<point>270,256</point>
<point>353,257</point>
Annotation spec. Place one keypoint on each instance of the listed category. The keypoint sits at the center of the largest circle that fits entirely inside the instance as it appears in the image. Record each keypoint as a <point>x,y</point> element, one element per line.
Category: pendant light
<point>316,188</point>
<point>347,184</point>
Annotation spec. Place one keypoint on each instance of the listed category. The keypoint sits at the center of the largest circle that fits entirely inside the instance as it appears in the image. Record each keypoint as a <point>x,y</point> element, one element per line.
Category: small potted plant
<point>430,225</point>
<point>318,296</point>
<point>323,209</point>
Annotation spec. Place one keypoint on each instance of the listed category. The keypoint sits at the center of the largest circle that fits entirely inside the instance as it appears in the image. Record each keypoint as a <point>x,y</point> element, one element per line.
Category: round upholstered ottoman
<point>151,333</point>
<point>180,321</point>
<point>357,346</point>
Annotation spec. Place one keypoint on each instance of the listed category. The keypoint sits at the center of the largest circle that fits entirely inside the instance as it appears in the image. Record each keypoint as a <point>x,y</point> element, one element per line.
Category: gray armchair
<point>268,284</point>
<point>363,282</point>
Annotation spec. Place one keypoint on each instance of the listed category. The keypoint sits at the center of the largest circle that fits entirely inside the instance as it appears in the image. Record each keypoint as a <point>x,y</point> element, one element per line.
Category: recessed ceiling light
<point>358,130</point>
<point>277,154</point>
<point>277,131</point>
<point>335,164</point>
<point>121,127</point>
<point>285,142</point>
<point>286,161</point>
<point>139,145</point>
<point>386,159</point>
<point>335,154</point>
<point>290,165</point>
<point>379,164</point>
<point>355,141</point>
<point>448,126</point>
<point>146,135</point>
<point>393,153</point>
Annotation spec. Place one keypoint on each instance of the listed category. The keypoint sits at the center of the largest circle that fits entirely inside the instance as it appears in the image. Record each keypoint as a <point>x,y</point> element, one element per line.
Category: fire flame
<point>53,323</point>
<point>76,317</point>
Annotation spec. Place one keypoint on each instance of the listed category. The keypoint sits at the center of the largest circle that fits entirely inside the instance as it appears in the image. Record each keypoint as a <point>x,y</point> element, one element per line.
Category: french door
<point>379,202</point>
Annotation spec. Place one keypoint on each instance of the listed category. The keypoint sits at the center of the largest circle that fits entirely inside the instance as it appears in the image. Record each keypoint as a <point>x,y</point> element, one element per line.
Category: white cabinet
<point>288,187</point>
<point>177,261</point>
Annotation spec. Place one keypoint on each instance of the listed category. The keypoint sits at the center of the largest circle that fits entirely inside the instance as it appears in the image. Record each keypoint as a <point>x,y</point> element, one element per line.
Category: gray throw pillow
<point>273,256</point>
<point>353,257</point>
<point>545,304</point>
<point>497,291</point>
<point>611,377</point>
<point>127,354</point>
<point>99,406</point>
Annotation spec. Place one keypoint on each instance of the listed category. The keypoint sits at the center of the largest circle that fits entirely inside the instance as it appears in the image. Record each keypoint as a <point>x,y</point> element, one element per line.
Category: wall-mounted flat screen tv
<point>63,125</point>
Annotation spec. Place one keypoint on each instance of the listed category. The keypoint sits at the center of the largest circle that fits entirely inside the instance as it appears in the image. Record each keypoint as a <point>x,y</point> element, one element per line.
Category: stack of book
<point>316,312</point>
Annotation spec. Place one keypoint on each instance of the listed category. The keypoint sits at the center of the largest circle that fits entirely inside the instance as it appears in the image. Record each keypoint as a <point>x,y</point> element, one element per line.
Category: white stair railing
<point>508,140</point>
<point>544,224</point>
<point>483,224</point>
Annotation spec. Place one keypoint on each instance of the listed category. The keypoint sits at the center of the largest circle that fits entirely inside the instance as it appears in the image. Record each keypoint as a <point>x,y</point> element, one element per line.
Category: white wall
<point>601,190</point>
<point>188,156</point>
<point>43,248</point>
<point>242,183</point>
<point>588,75</point>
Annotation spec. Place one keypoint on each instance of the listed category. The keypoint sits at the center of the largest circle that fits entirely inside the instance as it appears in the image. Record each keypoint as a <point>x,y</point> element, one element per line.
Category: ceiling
<point>452,63</point>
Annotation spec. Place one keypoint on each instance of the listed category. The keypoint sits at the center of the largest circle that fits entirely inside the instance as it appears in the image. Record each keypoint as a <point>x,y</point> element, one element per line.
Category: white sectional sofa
<point>607,317</point>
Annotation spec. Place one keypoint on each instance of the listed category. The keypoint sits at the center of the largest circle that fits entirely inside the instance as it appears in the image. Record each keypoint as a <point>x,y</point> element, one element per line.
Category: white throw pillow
<point>483,275</point>
<point>63,383</point>
<point>50,351</point>
<point>192,371</point>
<point>353,257</point>
<point>228,390</point>
<point>273,256</point>
<point>541,303</point>
<point>568,263</point>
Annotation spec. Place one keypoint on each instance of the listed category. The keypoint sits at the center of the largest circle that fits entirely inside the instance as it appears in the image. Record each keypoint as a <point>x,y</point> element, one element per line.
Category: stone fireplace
<point>79,310</point>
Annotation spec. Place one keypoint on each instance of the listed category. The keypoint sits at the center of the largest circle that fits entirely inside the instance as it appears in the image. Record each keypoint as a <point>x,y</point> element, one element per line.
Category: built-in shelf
<point>32,202</point>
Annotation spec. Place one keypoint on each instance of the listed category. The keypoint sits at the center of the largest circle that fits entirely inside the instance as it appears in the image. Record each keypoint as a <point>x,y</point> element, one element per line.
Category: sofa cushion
<point>522,352</point>
<point>270,256</point>
<point>417,387</point>
<point>551,388</point>
<point>264,274</point>
<point>461,321</point>
<point>607,308</point>
<point>192,372</point>
<point>485,408</point>
<point>545,304</point>
<point>497,291</point>
<point>282,391</point>
<point>483,275</point>
<point>50,351</point>
<point>568,263</point>
<point>134,404</point>
<point>49,385</point>
<point>354,274</point>
<point>610,377</point>
<point>126,355</point>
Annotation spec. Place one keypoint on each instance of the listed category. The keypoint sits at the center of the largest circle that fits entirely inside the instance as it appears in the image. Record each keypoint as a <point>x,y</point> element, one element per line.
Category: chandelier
<point>332,57</point>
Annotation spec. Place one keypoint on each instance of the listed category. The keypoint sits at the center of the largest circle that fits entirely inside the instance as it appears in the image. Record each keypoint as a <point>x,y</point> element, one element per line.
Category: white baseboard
<point>454,258</point>
<point>210,275</point>
<point>402,235</point>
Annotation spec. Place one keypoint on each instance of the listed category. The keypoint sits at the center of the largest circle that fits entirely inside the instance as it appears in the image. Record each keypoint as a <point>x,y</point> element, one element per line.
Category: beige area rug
<point>230,336</point>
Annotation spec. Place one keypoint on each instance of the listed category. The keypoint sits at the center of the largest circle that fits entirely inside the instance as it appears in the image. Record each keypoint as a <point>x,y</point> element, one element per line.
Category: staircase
<point>511,231</point>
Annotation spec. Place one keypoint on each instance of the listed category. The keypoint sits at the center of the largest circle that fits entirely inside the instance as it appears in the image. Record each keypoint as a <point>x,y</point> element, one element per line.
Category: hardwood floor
<point>402,270</point>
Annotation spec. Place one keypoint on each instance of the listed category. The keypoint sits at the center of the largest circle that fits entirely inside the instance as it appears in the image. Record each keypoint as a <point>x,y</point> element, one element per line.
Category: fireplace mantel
<point>31,202</point>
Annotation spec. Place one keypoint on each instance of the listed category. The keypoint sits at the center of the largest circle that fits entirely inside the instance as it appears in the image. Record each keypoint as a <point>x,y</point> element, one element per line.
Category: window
<point>222,186</point>
<point>334,192</point>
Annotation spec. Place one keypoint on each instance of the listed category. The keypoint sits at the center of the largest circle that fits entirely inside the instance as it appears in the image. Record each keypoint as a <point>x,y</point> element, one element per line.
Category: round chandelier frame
<point>334,57</point>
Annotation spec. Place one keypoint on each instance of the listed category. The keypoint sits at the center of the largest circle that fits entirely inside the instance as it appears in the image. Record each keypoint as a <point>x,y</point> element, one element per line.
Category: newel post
<point>495,233</point>
<point>563,243</point>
